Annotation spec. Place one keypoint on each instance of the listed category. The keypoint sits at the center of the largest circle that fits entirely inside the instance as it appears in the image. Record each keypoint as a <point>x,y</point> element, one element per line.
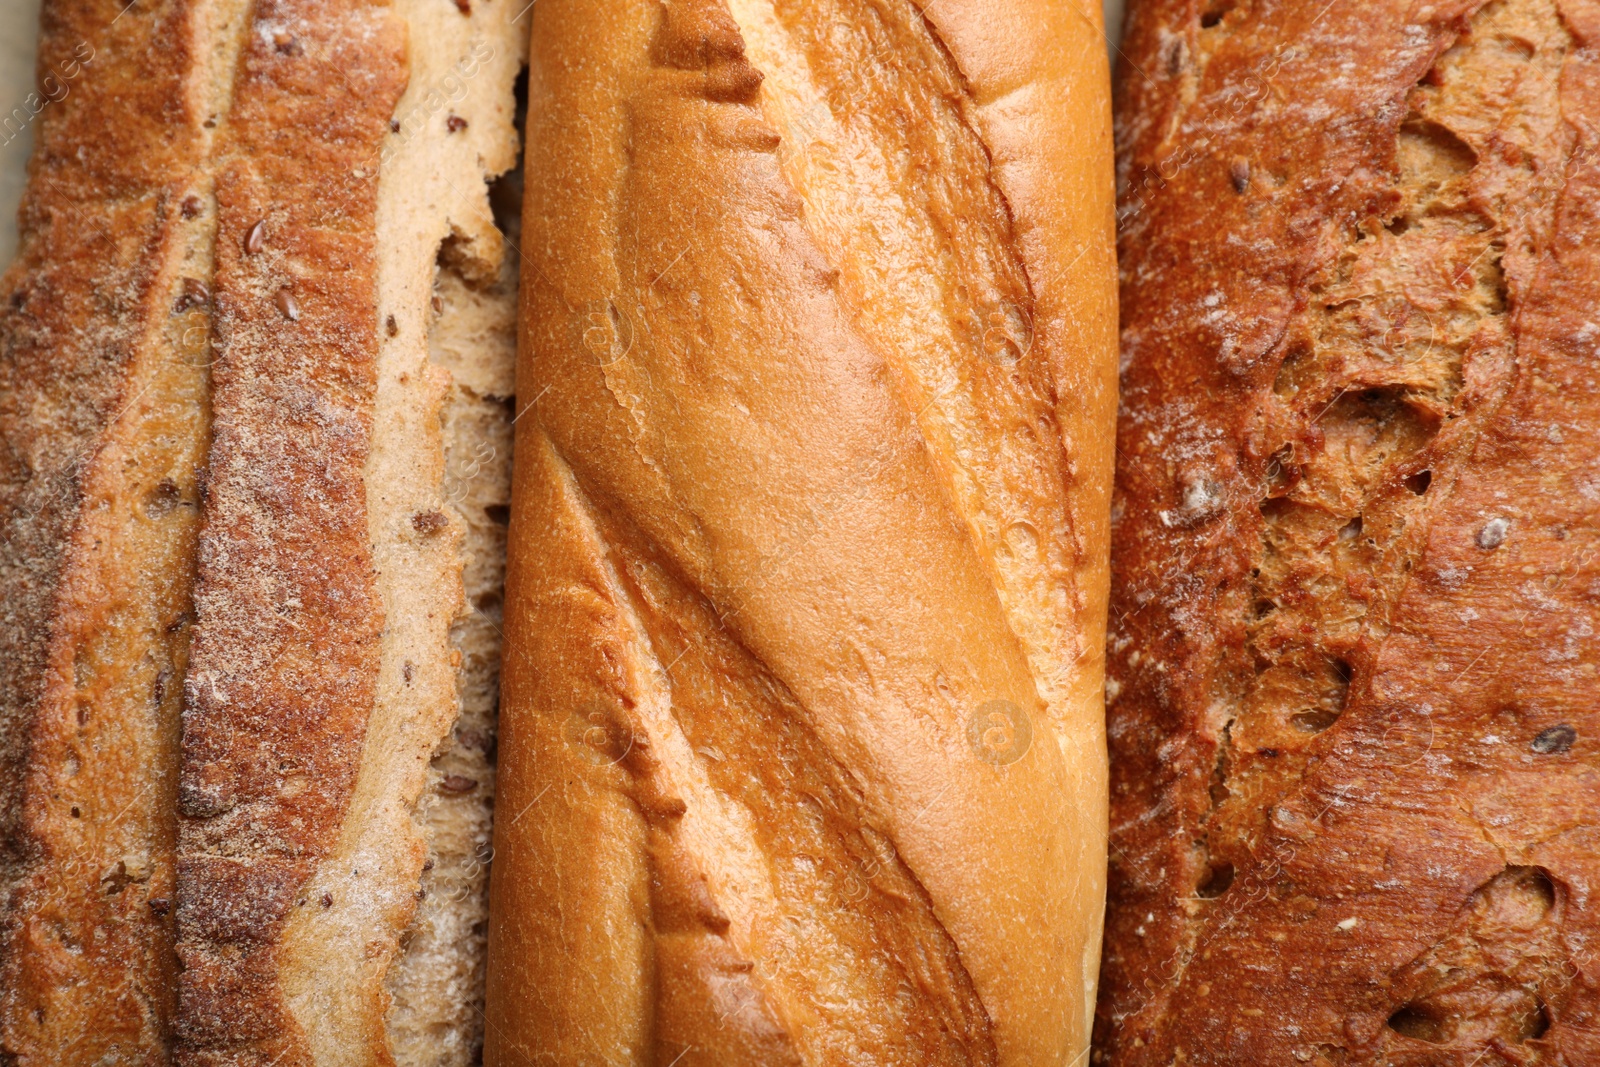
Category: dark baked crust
<point>102,392</point>
<point>286,653</point>
<point>1353,686</point>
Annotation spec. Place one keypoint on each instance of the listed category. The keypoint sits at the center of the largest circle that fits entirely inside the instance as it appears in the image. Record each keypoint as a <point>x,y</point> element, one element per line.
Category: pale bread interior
<point>446,350</point>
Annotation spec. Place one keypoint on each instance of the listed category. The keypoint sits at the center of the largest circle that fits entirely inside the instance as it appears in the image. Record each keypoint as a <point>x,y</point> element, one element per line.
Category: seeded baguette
<point>273,218</point>
<point>1353,696</point>
<point>103,384</point>
<point>324,678</point>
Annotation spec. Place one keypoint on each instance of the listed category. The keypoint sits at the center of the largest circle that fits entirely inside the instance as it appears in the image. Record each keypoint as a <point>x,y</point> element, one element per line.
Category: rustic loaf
<point>1354,703</point>
<point>801,756</point>
<point>259,281</point>
<point>102,422</point>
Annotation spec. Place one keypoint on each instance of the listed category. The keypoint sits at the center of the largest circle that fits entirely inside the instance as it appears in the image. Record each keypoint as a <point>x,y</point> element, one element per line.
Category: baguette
<point>802,756</point>
<point>102,392</point>
<point>1353,684</point>
<point>258,242</point>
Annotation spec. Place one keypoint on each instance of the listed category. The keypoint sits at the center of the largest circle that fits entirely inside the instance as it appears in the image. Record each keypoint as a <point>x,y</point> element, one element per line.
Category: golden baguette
<point>802,756</point>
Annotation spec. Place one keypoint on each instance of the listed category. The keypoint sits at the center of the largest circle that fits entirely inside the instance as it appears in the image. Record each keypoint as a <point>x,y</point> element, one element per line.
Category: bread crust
<point>285,660</point>
<point>102,401</point>
<point>1352,717</point>
<point>239,200</point>
<point>760,589</point>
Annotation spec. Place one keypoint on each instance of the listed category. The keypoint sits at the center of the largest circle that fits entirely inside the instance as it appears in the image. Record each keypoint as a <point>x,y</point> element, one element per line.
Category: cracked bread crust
<point>811,470</point>
<point>1352,686</point>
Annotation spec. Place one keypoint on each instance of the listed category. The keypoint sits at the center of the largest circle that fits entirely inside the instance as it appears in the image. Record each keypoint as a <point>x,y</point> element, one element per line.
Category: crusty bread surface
<point>1353,681</point>
<point>325,677</point>
<point>801,755</point>
<point>260,282</point>
<point>104,348</point>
